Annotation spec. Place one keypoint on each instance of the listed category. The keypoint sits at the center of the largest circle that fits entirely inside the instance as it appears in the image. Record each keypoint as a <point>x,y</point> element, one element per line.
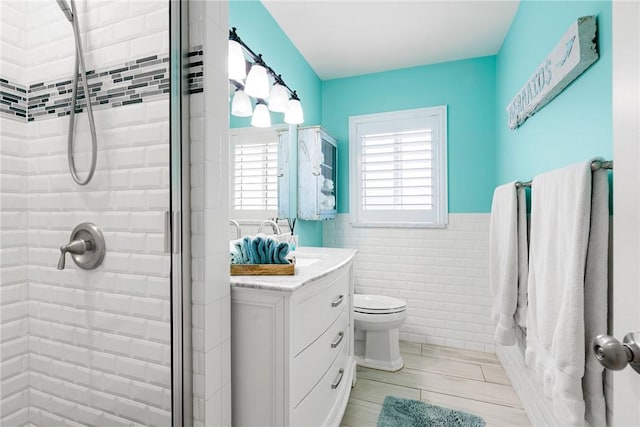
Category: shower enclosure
<point>107,346</point>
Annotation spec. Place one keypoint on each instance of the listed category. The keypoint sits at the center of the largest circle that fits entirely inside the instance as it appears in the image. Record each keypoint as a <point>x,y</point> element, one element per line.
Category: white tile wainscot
<point>292,342</point>
<point>443,275</point>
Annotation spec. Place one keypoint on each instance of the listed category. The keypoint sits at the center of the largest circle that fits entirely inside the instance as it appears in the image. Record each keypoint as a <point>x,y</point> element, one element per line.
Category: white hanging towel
<point>596,290</point>
<point>567,306</point>
<point>503,261</point>
<point>523,259</point>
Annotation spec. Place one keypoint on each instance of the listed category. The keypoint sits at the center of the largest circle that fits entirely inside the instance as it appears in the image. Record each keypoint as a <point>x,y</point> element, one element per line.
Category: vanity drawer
<point>312,316</point>
<point>310,365</point>
<point>317,405</point>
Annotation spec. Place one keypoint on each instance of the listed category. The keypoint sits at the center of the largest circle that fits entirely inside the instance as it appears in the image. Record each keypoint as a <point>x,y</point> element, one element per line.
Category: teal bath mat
<point>397,412</point>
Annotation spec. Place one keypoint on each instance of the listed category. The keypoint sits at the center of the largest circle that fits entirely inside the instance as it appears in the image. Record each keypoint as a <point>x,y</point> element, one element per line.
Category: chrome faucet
<point>78,247</point>
<point>274,226</point>
<point>237,225</point>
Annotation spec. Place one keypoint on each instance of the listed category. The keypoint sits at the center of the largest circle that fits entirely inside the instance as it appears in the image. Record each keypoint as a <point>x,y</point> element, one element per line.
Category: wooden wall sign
<point>575,52</point>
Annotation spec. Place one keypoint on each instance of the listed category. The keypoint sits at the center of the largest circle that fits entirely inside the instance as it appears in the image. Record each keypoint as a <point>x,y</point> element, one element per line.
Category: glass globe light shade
<point>241,104</point>
<point>294,114</point>
<point>278,99</point>
<point>261,116</point>
<point>257,82</point>
<point>237,65</point>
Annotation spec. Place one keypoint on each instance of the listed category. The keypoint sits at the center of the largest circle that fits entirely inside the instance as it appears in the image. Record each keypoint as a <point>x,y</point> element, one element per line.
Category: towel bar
<point>595,165</point>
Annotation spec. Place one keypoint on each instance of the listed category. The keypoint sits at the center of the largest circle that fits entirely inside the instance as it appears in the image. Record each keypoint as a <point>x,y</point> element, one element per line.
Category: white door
<point>626,200</point>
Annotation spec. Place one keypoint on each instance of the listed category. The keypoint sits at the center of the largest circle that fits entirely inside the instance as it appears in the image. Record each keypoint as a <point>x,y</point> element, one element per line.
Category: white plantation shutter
<point>254,180</point>
<point>396,171</point>
<point>399,160</point>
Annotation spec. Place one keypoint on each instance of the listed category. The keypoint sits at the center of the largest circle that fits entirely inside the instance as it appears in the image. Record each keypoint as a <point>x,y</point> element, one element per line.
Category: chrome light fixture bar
<point>281,98</point>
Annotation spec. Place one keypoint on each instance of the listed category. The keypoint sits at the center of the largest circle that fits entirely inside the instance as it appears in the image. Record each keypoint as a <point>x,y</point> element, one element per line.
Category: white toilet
<point>377,320</point>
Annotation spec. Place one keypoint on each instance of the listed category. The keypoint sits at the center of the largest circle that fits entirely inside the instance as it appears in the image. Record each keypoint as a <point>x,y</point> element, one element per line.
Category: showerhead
<point>65,9</point>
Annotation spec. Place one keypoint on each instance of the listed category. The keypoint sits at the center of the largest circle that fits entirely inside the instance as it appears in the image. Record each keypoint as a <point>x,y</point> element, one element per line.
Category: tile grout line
<point>476,400</point>
<point>410,370</point>
<point>384,381</point>
<point>458,359</point>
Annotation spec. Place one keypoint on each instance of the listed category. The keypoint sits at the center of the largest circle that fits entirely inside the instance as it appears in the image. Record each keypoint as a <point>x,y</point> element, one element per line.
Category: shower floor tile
<point>458,379</point>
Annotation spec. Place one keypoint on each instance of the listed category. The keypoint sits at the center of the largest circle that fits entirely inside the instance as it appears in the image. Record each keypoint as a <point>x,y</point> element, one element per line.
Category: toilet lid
<point>377,304</point>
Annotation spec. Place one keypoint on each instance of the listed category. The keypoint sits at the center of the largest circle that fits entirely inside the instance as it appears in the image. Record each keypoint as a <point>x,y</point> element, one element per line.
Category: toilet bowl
<point>377,319</point>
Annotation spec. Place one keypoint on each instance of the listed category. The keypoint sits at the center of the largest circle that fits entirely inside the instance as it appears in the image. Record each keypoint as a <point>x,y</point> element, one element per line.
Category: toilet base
<point>378,349</point>
<point>380,365</point>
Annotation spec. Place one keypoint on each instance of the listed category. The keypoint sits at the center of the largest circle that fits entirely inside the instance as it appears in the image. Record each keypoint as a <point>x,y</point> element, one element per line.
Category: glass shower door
<point>88,347</point>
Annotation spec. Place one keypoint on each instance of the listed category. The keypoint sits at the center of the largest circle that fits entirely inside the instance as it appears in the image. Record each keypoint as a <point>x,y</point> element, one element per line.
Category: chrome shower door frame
<point>179,167</point>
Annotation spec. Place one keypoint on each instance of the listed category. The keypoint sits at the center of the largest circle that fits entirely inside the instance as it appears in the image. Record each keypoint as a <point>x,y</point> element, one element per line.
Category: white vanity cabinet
<point>317,174</point>
<point>292,343</point>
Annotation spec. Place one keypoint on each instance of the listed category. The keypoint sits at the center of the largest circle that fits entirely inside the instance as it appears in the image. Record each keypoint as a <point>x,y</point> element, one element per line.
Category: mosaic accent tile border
<point>143,78</point>
<point>136,81</point>
<point>13,100</point>
<point>194,63</point>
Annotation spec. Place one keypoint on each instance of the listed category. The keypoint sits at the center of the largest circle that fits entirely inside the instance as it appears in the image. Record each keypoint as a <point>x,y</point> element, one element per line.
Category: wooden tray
<point>262,269</point>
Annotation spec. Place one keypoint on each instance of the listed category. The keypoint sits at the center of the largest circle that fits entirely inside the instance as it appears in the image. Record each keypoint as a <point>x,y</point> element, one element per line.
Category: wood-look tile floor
<point>459,379</point>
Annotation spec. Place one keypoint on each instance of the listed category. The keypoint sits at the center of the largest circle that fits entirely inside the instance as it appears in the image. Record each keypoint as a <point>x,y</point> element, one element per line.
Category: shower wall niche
<point>87,347</point>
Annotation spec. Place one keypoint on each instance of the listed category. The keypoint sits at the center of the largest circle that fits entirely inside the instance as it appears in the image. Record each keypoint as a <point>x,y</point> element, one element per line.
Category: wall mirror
<point>261,169</point>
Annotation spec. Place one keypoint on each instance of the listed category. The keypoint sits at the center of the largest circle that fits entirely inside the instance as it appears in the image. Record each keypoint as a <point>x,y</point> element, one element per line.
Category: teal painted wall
<point>262,34</point>
<point>482,151</point>
<point>466,87</point>
<point>574,126</point>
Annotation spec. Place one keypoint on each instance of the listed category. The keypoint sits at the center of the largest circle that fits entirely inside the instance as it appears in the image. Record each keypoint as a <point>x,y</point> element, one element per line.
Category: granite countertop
<point>311,264</point>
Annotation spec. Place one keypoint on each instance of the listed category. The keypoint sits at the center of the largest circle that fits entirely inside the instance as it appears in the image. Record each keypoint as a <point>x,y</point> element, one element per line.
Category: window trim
<point>440,157</point>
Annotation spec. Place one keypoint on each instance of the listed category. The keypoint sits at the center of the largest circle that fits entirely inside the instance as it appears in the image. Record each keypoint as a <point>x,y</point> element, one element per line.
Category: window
<point>399,168</point>
<point>254,174</point>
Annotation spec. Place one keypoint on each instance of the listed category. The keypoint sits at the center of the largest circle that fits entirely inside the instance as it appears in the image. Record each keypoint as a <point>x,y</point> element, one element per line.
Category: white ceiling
<point>347,38</point>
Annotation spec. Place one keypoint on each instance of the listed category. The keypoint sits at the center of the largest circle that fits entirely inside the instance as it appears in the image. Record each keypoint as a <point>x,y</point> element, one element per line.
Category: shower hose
<point>80,66</point>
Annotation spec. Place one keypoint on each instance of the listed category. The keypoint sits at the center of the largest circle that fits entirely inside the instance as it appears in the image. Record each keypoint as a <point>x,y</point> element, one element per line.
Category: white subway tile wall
<point>209,220</point>
<point>78,347</point>
<point>14,288</point>
<point>14,285</point>
<point>443,274</point>
<point>13,15</point>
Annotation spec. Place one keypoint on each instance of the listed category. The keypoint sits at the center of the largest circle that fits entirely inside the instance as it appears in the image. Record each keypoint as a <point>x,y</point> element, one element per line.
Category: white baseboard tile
<point>537,405</point>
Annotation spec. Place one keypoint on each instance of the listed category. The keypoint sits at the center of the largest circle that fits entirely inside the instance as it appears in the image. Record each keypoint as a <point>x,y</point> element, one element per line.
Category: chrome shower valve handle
<point>78,247</point>
<point>86,246</point>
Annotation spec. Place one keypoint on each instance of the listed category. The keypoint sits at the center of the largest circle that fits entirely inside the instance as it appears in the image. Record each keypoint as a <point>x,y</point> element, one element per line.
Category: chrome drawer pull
<point>336,383</point>
<point>336,302</point>
<point>338,340</point>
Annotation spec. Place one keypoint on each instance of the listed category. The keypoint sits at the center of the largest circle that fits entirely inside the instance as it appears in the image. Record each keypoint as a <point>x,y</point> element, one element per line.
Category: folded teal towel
<point>246,250</point>
<point>272,250</point>
<point>269,244</point>
<point>281,253</point>
<point>254,254</point>
<point>263,253</point>
<point>259,250</point>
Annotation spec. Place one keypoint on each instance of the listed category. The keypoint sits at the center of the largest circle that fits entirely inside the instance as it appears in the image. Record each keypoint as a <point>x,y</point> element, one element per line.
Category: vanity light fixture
<point>294,114</point>
<point>279,97</point>
<point>241,104</point>
<point>261,117</point>
<point>282,99</point>
<point>237,65</point>
<point>257,84</point>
